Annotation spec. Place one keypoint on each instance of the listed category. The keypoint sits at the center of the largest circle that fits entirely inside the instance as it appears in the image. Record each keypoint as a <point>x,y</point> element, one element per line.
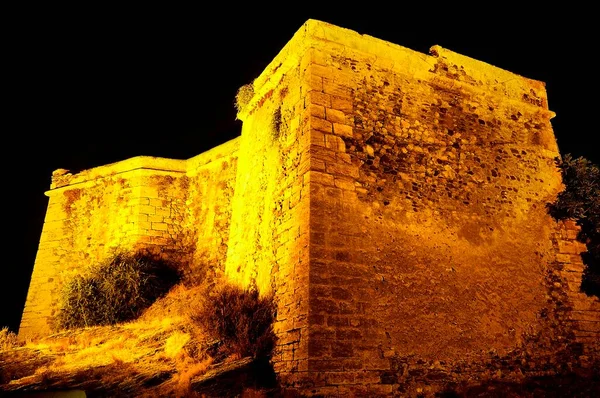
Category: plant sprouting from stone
<point>243,96</point>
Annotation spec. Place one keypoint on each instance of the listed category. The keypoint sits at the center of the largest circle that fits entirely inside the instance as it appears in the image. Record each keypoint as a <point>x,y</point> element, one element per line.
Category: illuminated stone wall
<point>161,205</point>
<point>393,202</point>
<point>269,236</point>
<point>211,182</point>
<point>430,204</point>
<point>430,237</point>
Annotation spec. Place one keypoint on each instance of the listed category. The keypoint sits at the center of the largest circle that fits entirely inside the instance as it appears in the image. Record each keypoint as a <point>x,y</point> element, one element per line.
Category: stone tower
<point>394,202</point>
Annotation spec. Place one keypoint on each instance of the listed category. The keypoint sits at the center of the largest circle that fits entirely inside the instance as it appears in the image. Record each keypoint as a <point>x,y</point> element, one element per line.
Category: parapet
<point>62,178</point>
<point>463,70</point>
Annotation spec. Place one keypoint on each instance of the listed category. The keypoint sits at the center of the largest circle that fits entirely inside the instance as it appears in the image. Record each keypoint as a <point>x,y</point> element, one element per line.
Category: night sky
<point>94,86</point>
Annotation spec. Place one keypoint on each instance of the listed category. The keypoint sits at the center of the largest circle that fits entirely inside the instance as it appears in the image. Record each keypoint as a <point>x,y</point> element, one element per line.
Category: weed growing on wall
<point>243,96</point>
<point>117,290</point>
<point>240,319</point>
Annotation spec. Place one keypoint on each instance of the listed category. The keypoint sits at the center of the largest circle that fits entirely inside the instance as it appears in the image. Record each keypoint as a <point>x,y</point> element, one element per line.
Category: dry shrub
<point>186,371</point>
<point>240,319</point>
<point>117,290</point>
<point>8,339</point>
<point>243,96</point>
<point>116,360</point>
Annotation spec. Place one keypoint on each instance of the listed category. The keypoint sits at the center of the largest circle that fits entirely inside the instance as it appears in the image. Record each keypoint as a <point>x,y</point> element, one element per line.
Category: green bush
<point>117,290</point>
<point>580,199</point>
<point>240,319</point>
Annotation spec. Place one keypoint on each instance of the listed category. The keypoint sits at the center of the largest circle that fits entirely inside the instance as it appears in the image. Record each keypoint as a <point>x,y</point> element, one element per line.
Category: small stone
<point>370,150</point>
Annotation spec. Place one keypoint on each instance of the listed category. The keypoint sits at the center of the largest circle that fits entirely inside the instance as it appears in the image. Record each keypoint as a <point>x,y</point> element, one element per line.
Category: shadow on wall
<point>590,283</point>
<point>570,385</point>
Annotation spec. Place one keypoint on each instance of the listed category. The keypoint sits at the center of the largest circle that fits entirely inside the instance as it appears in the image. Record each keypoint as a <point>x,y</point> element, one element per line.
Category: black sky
<point>94,86</point>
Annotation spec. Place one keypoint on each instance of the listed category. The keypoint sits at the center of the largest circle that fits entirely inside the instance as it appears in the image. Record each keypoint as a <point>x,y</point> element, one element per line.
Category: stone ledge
<point>62,178</point>
<point>316,35</point>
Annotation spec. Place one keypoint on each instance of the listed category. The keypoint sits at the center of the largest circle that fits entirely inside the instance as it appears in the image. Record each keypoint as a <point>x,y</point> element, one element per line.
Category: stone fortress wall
<point>394,202</point>
<point>143,202</point>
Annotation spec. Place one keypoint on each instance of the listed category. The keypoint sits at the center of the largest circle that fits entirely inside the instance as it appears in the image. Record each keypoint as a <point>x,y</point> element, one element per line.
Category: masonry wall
<point>142,203</point>
<point>394,203</point>
<point>211,183</point>
<point>430,237</point>
<point>269,236</point>
<point>81,226</point>
<point>583,315</point>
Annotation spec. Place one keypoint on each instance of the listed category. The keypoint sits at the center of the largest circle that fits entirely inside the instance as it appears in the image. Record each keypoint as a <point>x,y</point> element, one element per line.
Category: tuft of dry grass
<point>8,340</point>
<point>241,320</point>
<point>117,290</point>
<point>243,96</point>
<point>127,353</point>
<point>161,353</point>
<point>186,371</point>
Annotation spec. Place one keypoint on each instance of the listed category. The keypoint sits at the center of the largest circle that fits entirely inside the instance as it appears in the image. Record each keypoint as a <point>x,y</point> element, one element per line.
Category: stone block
<point>165,212</point>
<point>343,104</point>
<point>344,170</point>
<point>314,82</point>
<point>340,349</point>
<point>348,334</point>
<point>316,319</point>
<point>335,143</point>
<point>336,378</point>
<point>340,293</point>
<point>332,87</point>
<point>337,321</point>
<point>321,332</point>
<point>324,365</point>
<point>147,209</point>
<point>320,125</point>
<point>335,116</point>
<point>316,177</point>
<point>342,130</point>
<point>318,98</point>
<point>325,306</point>
<point>156,202</point>
<point>321,71</point>
<point>592,326</point>
<point>347,184</point>
<point>319,348</point>
<point>317,164</point>
<point>317,111</point>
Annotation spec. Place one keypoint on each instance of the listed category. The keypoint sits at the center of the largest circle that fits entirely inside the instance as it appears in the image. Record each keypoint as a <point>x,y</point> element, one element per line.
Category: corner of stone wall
<point>347,348</point>
<point>269,236</point>
<point>584,310</point>
<point>127,206</point>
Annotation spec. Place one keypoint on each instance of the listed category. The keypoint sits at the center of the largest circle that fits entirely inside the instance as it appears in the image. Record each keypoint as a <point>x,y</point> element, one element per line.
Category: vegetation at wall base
<point>580,200</point>
<point>117,290</point>
<point>8,339</point>
<point>241,320</point>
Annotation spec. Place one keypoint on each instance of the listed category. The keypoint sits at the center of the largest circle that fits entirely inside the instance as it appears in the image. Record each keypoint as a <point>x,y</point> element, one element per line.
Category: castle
<point>394,202</point>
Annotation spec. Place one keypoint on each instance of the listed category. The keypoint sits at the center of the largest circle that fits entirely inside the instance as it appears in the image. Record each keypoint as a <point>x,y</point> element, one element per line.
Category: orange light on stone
<point>394,202</point>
